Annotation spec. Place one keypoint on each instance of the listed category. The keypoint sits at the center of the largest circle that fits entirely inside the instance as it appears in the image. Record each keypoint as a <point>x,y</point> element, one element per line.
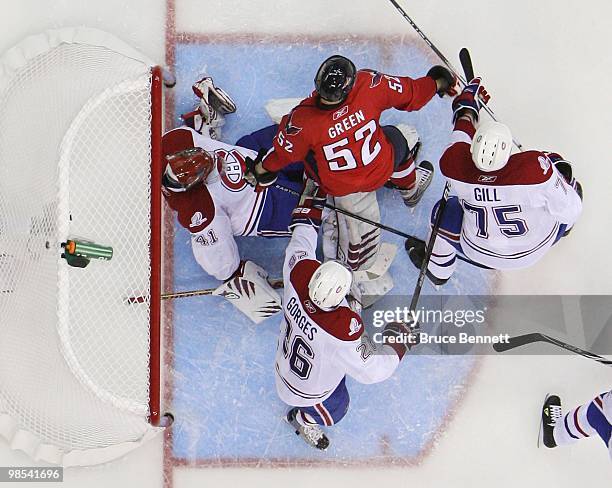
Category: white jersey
<point>511,217</point>
<point>216,211</point>
<point>317,349</point>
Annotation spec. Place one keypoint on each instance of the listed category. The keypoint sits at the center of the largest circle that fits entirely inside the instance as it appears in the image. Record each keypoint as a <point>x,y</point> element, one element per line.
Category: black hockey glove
<point>256,175</point>
<point>444,79</point>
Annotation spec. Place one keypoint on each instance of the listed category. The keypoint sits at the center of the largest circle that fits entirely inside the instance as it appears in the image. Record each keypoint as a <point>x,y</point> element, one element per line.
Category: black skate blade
<point>541,424</point>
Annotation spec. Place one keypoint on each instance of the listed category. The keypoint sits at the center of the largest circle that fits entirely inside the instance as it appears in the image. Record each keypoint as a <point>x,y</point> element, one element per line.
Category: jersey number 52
<point>341,158</point>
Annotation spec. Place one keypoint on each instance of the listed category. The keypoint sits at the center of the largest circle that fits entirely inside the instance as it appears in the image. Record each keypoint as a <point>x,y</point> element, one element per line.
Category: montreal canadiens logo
<point>231,166</point>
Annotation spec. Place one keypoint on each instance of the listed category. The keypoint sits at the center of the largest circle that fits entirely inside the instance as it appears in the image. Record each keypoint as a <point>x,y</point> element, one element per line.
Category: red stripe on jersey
<point>599,402</point>
<point>324,414</point>
<point>338,322</point>
<point>577,424</point>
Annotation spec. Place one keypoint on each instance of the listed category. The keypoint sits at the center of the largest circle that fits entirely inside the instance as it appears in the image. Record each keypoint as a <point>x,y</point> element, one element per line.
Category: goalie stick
<point>276,283</point>
<point>523,340</point>
<point>373,223</point>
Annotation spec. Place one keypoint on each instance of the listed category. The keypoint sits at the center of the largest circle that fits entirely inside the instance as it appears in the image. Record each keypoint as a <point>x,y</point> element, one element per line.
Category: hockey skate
<point>424,177</point>
<point>551,413</point>
<point>312,434</point>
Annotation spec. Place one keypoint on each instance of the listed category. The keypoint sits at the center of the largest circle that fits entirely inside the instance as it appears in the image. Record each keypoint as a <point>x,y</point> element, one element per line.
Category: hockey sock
<point>573,426</point>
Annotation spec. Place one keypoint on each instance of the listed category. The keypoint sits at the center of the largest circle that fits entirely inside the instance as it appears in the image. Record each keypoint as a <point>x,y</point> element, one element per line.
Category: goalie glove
<point>470,100</point>
<point>250,292</point>
<point>256,175</point>
<point>214,96</point>
<point>309,210</point>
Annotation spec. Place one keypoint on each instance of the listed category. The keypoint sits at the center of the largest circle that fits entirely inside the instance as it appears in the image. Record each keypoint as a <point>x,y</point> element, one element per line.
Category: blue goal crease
<point>224,397</point>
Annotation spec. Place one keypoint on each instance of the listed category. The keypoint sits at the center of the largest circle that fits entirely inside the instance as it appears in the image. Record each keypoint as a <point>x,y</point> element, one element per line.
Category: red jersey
<point>343,147</point>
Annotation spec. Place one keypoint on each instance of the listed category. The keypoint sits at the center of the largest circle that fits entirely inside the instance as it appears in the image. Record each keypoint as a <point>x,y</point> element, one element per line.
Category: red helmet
<point>187,167</point>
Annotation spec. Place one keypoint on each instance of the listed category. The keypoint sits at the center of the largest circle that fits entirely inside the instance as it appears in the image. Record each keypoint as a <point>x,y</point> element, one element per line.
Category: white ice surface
<point>546,64</point>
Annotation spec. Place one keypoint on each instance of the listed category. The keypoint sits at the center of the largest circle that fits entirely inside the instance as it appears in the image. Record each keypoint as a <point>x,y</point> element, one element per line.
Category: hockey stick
<point>525,339</point>
<point>466,63</point>
<point>373,223</point>
<point>444,59</point>
<point>277,283</point>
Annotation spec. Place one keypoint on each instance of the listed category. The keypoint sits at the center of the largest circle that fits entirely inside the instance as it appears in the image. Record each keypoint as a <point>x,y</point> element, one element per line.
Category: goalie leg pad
<point>358,242</point>
<point>250,292</point>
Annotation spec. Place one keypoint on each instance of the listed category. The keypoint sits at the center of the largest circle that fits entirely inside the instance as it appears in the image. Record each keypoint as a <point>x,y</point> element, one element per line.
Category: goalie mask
<point>329,285</point>
<point>335,79</point>
<point>186,168</point>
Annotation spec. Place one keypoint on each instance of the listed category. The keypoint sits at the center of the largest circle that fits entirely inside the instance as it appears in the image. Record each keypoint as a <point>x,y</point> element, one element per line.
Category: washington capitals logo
<point>291,129</point>
<point>376,78</point>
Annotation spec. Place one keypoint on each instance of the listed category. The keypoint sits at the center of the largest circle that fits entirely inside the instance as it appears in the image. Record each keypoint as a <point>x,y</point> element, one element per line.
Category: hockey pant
<point>276,213</point>
<point>404,169</point>
<point>447,244</point>
<point>279,204</point>
<point>585,421</point>
<point>328,412</point>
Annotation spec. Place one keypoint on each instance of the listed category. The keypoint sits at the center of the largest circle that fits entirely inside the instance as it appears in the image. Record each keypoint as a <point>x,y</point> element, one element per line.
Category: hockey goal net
<point>80,125</point>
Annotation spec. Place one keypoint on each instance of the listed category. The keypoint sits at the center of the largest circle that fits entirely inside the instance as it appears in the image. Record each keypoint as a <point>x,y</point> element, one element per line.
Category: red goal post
<point>80,159</point>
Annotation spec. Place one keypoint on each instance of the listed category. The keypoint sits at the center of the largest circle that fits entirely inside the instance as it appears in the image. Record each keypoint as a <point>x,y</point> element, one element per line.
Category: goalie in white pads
<point>506,211</point>
<point>203,182</point>
<point>321,338</point>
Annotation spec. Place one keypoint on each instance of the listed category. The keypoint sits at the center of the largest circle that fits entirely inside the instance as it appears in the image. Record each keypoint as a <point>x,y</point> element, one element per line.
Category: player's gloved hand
<point>206,90</point>
<point>564,167</point>
<point>256,175</point>
<point>446,81</point>
<point>401,337</point>
<point>470,100</point>
<point>309,209</point>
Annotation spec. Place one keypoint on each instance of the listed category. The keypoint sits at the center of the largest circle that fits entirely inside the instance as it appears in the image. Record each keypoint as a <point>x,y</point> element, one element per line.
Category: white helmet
<point>329,285</point>
<point>491,146</point>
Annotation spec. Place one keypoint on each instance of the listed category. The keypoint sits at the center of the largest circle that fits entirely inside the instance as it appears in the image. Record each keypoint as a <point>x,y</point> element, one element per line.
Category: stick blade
<point>466,63</point>
<point>517,341</point>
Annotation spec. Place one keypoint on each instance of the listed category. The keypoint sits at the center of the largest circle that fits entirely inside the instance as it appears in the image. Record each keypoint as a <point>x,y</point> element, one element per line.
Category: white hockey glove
<point>217,98</point>
<point>250,292</point>
<point>209,117</point>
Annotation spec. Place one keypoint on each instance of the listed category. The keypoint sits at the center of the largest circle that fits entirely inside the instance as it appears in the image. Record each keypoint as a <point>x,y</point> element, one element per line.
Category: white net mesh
<point>75,162</point>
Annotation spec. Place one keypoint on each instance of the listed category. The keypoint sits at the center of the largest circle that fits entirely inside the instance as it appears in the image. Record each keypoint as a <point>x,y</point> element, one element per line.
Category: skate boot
<point>416,253</point>
<point>551,413</point>
<point>312,434</point>
<point>424,177</point>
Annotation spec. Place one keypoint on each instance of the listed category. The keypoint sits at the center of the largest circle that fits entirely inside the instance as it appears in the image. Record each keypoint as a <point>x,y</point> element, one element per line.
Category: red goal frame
<point>155,249</point>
